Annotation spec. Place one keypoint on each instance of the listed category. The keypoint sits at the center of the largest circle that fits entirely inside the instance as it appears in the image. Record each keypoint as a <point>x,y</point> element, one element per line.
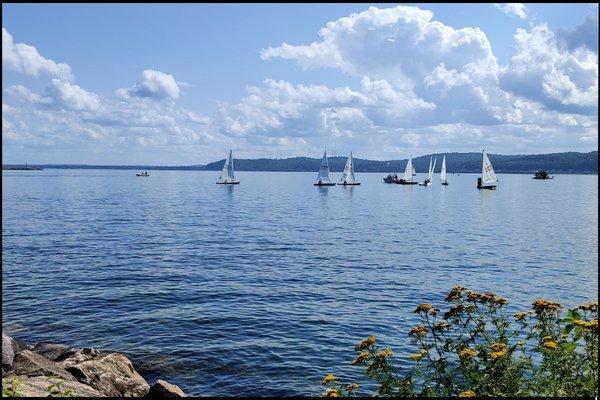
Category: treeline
<point>557,163</point>
<point>554,163</point>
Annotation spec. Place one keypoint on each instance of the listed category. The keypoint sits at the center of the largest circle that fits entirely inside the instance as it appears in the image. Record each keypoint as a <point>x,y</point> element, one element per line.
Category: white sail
<point>430,171</point>
<point>227,172</point>
<point>323,174</point>
<point>409,170</point>
<point>414,171</point>
<point>487,171</point>
<point>443,171</point>
<point>348,174</point>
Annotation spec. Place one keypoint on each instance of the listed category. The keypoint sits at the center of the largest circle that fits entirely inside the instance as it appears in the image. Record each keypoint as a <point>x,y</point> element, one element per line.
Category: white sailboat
<point>429,180</point>
<point>227,177</point>
<point>408,174</point>
<point>488,178</point>
<point>323,175</point>
<point>348,174</point>
<point>443,179</point>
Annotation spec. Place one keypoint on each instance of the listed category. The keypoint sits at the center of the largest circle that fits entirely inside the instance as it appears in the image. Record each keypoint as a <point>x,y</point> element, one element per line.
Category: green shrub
<point>476,348</point>
<point>12,389</point>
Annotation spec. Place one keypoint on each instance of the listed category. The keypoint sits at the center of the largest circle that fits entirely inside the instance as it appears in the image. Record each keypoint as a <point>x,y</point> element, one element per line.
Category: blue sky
<point>181,84</point>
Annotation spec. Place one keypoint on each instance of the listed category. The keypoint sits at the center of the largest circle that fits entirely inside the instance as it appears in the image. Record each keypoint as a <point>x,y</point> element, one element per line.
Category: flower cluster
<point>467,353</point>
<point>499,350</point>
<point>370,341</point>
<point>486,298</point>
<point>455,294</point>
<point>541,306</point>
<point>420,330</point>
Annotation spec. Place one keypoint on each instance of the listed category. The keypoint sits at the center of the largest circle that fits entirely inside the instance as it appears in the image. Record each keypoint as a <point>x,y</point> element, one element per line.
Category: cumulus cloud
<point>25,59</point>
<point>72,97</point>
<point>154,84</point>
<point>517,9</point>
<point>584,35</point>
<point>553,75</point>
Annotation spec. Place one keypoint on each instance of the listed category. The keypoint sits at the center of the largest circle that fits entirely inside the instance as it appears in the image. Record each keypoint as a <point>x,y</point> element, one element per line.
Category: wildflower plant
<point>476,348</point>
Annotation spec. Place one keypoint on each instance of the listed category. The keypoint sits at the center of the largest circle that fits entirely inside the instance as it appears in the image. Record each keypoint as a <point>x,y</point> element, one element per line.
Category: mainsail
<point>443,171</point>
<point>323,174</point>
<point>487,171</point>
<point>430,171</point>
<point>409,170</point>
<point>348,174</point>
<point>227,173</point>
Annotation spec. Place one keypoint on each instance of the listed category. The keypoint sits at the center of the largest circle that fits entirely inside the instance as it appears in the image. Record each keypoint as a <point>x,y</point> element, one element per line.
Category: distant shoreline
<point>553,163</point>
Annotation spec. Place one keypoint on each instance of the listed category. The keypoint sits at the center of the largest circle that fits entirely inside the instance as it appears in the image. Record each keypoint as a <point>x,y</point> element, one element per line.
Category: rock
<point>10,348</point>
<point>32,364</point>
<point>49,350</point>
<point>165,390</point>
<point>76,356</point>
<point>112,375</point>
<point>40,386</point>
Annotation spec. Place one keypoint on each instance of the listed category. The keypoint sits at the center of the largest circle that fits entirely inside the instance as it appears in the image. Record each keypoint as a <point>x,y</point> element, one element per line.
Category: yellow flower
<point>467,393</point>
<point>549,344</point>
<point>545,338</point>
<point>352,387</point>
<point>467,353</point>
<point>423,308</point>
<point>362,357</point>
<point>365,343</point>
<point>424,352</point>
<point>415,356</point>
<point>420,330</point>
<point>499,350</point>
<point>332,393</point>
<point>541,306</point>
<point>589,306</point>
<point>387,352</point>
<point>328,378</point>
<point>520,316</point>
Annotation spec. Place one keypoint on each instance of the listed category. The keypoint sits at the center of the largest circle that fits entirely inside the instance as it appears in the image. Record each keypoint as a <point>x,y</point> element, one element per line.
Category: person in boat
<point>319,181</point>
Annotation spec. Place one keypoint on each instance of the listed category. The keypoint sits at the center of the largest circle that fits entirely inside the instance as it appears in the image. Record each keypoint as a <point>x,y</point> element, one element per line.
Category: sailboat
<point>488,178</point>
<point>323,175</point>
<point>348,174</point>
<point>408,174</point>
<point>443,179</point>
<point>227,177</point>
<point>429,180</point>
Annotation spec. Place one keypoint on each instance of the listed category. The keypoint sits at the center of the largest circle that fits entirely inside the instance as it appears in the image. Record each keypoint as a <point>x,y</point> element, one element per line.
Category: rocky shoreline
<point>47,369</point>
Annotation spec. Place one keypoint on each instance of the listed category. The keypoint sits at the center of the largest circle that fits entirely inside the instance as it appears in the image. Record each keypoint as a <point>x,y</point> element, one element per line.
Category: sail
<point>430,171</point>
<point>323,174</point>
<point>408,171</point>
<point>487,171</point>
<point>227,172</point>
<point>443,171</point>
<point>348,174</point>
<point>414,171</point>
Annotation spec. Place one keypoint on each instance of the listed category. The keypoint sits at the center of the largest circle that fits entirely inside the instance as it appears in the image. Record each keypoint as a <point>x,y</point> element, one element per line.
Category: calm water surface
<point>262,288</point>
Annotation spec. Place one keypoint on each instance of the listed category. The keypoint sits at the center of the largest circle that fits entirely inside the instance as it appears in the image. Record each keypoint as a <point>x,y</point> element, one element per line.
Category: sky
<point>181,84</point>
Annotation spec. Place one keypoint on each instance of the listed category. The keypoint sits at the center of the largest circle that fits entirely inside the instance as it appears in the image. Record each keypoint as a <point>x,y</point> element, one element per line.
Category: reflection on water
<point>263,287</point>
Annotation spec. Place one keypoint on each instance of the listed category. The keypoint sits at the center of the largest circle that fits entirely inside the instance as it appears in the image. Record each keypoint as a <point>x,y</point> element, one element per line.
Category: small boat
<point>429,180</point>
<point>145,173</point>
<point>323,174</point>
<point>408,174</point>
<point>227,176</point>
<point>488,178</point>
<point>391,178</point>
<point>541,174</point>
<point>348,178</point>
<point>443,179</point>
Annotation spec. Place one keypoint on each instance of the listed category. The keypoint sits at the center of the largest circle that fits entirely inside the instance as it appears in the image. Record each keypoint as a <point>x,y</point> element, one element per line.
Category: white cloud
<point>22,93</point>
<point>517,9</point>
<point>72,97</point>
<point>555,76</point>
<point>25,59</point>
<point>154,84</point>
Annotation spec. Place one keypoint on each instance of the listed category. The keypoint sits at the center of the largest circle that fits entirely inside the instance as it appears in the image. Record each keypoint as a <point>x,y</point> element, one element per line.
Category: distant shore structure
<point>25,168</point>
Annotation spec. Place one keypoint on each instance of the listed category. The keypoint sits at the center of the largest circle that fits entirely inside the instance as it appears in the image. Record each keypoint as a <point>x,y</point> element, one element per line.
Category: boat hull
<point>228,183</point>
<point>403,182</point>
<point>444,183</point>
<point>349,184</point>
<point>324,184</point>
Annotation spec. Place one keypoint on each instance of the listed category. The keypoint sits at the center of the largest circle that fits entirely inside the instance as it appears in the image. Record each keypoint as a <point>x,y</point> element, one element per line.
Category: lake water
<point>262,288</point>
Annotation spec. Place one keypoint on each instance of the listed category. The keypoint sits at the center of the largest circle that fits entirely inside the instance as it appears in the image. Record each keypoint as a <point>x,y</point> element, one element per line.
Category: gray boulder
<point>76,356</point>
<point>10,348</point>
<point>112,375</point>
<point>42,386</point>
<point>30,364</point>
<point>165,390</point>
<point>49,350</point>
